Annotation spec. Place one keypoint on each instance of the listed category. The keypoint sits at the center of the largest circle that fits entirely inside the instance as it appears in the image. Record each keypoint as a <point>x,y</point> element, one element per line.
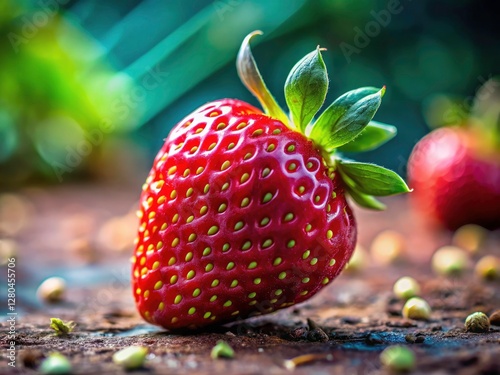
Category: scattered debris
<point>305,359</point>
<point>417,338</point>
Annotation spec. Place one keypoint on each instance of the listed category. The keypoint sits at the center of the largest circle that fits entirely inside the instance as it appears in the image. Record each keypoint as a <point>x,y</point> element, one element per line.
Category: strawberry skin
<point>244,212</point>
<point>239,216</point>
<point>453,184</point>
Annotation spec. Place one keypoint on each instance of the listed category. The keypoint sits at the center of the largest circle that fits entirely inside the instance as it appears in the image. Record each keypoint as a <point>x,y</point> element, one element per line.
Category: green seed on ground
<point>470,237</point>
<point>406,287</point>
<point>131,358</point>
<point>398,358</point>
<point>416,308</point>
<point>222,350</point>
<point>55,363</point>
<point>450,261</point>
<point>52,290</point>
<point>477,322</point>
<point>488,267</point>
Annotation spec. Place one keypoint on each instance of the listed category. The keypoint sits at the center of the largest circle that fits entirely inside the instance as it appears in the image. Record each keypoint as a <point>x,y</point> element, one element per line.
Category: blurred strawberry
<point>455,171</point>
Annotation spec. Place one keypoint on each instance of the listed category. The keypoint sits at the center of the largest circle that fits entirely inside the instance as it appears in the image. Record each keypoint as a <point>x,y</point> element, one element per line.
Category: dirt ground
<point>77,232</point>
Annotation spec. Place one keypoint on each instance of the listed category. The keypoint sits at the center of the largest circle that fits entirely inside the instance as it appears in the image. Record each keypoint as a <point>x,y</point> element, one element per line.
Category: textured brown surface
<point>358,312</point>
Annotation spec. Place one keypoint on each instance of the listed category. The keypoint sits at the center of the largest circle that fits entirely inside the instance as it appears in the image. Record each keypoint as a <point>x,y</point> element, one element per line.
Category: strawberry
<point>455,171</point>
<point>245,212</point>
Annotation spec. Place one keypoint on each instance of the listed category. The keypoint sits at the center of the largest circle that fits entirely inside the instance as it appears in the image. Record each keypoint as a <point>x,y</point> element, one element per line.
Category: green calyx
<point>345,126</point>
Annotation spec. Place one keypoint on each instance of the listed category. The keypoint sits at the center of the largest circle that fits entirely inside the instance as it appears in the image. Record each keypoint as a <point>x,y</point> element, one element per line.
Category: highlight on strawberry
<point>245,212</point>
<point>455,170</point>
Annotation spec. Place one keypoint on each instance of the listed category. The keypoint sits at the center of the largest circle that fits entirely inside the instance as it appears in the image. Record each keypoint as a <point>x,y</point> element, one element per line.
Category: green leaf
<point>365,200</point>
<point>374,135</point>
<point>372,179</point>
<point>305,88</point>
<point>251,78</point>
<point>346,117</point>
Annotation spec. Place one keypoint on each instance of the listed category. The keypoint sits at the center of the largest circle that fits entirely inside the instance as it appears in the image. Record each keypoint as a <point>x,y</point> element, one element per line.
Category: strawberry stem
<point>347,122</point>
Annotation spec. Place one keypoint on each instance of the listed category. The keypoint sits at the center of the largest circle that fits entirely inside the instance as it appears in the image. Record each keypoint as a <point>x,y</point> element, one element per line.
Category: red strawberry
<point>455,171</point>
<point>242,214</point>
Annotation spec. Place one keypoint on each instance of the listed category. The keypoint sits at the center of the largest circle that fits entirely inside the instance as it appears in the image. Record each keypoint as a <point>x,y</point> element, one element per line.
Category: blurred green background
<point>89,89</point>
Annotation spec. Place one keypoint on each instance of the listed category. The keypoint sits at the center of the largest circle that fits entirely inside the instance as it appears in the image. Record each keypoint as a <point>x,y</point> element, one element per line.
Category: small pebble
<point>488,267</point>
<point>417,309</point>
<point>387,247</point>
<point>131,358</point>
<point>406,287</point>
<point>316,333</point>
<point>414,338</point>
<point>55,363</point>
<point>470,237</point>
<point>52,290</point>
<point>374,339</point>
<point>450,261</point>
<point>477,322</point>
<point>299,333</point>
<point>30,357</point>
<point>495,318</point>
<point>398,358</point>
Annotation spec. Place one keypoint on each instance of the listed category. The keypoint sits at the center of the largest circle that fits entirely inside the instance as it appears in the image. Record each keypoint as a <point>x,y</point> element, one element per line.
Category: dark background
<point>89,89</point>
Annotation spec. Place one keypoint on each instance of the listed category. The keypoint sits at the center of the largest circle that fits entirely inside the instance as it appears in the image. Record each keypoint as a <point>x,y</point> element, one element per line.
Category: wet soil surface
<point>68,232</point>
